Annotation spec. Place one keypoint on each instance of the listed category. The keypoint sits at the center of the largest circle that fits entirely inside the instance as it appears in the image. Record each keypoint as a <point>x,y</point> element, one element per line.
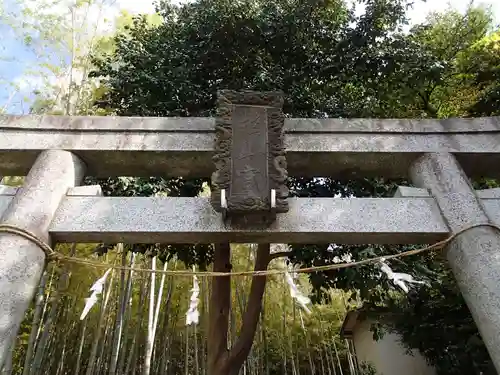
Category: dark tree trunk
<point>221,360</point>
<point>220,304</point>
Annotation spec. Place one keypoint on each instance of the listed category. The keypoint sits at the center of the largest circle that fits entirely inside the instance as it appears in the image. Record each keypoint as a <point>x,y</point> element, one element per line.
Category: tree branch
<point>428,108</point>
<point>251,317</point>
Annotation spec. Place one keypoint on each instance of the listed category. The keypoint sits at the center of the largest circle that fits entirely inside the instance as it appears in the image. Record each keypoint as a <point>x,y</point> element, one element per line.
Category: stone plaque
<point>250,157</point>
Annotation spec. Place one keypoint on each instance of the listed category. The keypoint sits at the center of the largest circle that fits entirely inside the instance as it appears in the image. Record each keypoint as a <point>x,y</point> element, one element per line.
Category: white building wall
<point>387,355</point>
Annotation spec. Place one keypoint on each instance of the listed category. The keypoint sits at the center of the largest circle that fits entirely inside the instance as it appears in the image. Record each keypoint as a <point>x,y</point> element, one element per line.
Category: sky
<point>418,14</point>
<point>422,9</point>
<point>14,71</point>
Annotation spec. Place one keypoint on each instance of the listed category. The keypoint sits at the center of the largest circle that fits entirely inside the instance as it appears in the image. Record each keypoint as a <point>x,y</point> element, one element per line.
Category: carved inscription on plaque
<point>249,188</point>
<point>250,156</point>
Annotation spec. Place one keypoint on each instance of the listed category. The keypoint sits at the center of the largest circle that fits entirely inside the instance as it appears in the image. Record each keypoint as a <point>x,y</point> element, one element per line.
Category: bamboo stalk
<point>95,344</point>
<point>149,342</point>
<point>174,320</point>
<point>154,311</point>
<point>35,324</point>
<point>42,345</point>
<point>338,358</point>
<point>295,370</point>
<point>49,358</point>
<point>45,305</point>
<point>323,371</point>
<point>308,346</point>
<point>62,284</point>
<point>208,288</point>
<point>285,351</point>
<point>106,344</point>
<point>165,326</point>
<point>80,348</point>
<point>128,312</point>
<point>196,358</point>
<point>60,366</point>
<point>133,354</point>
<point>120,313</point>
<point>204,316</point>
<point>155,351</point>
<point>186,351</point>
<point>329,360</point>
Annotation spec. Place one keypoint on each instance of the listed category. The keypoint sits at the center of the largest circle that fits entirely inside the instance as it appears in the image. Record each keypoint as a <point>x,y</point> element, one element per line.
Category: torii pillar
<point>474,256</point>
<point>22,261</point>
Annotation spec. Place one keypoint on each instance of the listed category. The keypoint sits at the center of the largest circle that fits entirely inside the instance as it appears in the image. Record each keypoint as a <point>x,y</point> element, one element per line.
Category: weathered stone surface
<point>22,261</point>
<point>474,256</point>
<point>113,146</point>
<point>158,124</point>
<point>451,125</point>
<point>107,123</point>
<point>170,215</point>
<point>489,193</point>
<point>249,156</point>
<point>4,202</point>
<point>8,190</point>
<point>85,191</point>
<point>413,192</point>
<point>188,220</point>
<point>88,190</point>
<point>7,194</point>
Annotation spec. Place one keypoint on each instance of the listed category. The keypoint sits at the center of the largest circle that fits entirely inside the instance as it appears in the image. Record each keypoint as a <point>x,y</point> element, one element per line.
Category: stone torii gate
<point>245,146</point>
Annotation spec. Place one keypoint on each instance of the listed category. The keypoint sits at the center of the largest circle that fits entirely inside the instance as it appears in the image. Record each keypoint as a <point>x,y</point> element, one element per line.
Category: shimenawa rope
<point>52,255</point>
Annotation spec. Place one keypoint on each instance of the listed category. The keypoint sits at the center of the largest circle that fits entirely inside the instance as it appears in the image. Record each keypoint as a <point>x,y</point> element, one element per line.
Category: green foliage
<point>439,313</point>
<point>441,91</point>
<point>482,63</point>
<point>466,62</point>
<point>309,50</point>
<point>367,369</point>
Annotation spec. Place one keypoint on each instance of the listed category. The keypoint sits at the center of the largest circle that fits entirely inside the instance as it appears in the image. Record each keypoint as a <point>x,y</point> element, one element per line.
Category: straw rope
<point>53,255</point>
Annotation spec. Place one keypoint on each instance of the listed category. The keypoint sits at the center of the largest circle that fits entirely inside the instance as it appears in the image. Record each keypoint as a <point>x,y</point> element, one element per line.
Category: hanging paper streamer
<point>96,289</point>
<point>397,278</point>
<point>193,315</point>
<point>344,258</point>
<point>295,293</point>
<point>331,248</point>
